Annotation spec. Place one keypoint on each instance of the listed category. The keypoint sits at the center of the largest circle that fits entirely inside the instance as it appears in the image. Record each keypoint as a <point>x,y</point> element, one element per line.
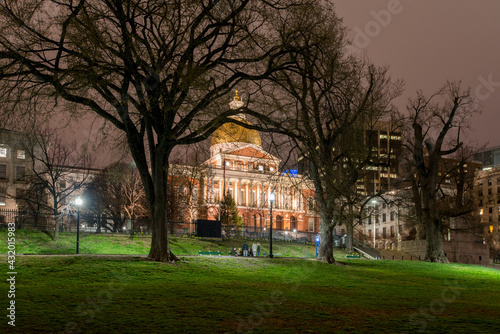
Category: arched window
<point>293,223</point>
<point>279,222</point>
<point>310,204</point>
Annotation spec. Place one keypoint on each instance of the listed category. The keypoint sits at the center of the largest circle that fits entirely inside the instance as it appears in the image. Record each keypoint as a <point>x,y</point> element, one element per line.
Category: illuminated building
<point>240,167</point>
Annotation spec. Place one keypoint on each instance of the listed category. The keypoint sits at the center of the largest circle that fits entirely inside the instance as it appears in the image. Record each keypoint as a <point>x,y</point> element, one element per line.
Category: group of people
<point>247,251</point>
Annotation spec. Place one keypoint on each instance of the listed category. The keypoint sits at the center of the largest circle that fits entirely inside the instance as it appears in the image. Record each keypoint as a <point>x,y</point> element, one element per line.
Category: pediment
<point>251,152</point>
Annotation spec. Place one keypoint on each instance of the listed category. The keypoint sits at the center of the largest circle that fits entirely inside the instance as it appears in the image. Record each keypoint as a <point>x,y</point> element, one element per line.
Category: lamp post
<point>295,230</point>
<point>271,200</point>
<point>78,202</point>
<point>374,202</point>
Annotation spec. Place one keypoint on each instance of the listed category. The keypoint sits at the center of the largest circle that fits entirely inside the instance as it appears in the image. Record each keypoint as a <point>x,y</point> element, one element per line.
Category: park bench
<point>207,253</point>
<point>353,256</point>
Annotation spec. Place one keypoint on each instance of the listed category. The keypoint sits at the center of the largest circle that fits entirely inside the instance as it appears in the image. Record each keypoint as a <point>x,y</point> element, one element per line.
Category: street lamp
<point>78,202</point>
<point>271,200</point>
<point>295,230</point>
<point>374,202</point>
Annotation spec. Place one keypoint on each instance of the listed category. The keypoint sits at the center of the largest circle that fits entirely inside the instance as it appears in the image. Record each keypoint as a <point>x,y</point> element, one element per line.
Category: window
<point>491,226</point>
<point>490,210</point>
<point>384,218</point>
<point>310,204</point>
<point>489,191</point>
<point>3,172</point>
<point>489,182</point>
<point>384,232</point>
<point>242,197</point>
<point>261,167</point>
<point>3,152</point>
<point>20,173</point>
<point>393,215</point>
<point>21,154</point>
<point>392,231</point>
<point>311,224</point>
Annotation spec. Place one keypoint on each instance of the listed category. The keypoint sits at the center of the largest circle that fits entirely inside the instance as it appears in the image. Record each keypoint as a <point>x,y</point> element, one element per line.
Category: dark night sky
<point>428,42</point>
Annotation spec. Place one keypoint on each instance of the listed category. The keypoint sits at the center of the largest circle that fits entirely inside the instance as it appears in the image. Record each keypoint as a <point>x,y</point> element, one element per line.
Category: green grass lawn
<point>88,294</point>
<point>36,242</point>
<point>128,294</point>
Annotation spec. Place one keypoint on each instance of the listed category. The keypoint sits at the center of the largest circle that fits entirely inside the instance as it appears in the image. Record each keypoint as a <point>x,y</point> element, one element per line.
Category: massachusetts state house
<point>240,167</point>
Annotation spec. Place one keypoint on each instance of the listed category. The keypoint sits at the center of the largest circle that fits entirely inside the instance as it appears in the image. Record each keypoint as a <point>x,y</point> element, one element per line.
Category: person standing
<point>254,249</point>
<point>258,249</point>
<point>245,249</point>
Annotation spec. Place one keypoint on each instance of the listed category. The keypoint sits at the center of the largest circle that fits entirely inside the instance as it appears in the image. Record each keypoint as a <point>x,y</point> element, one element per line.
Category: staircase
<point>367,251</point>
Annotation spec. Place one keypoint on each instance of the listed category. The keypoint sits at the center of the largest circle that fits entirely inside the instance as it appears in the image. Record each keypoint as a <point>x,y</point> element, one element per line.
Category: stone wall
<point>459,252</point>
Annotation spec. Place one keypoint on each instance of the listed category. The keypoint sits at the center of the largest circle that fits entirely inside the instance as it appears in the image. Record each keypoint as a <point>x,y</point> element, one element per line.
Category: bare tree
<point>324,96</point>
<point>156,70</point>
<point>117,192</point>
<point>58,169</point>
<point>434,132</point>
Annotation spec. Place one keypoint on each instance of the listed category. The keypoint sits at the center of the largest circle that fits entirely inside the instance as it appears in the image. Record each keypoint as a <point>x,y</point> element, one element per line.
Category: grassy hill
<point>127,294</point>
<point>36,242</point>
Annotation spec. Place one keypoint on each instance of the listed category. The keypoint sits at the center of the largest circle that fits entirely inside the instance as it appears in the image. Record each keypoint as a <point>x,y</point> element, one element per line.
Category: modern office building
<point>490,157</point>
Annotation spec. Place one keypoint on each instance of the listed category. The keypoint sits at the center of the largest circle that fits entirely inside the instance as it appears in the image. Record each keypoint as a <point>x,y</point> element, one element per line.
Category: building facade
<point>487,188</point>
<point>15,168</point>
<point>240,167</point>
<point>382,173</point>
<point>490,157</point>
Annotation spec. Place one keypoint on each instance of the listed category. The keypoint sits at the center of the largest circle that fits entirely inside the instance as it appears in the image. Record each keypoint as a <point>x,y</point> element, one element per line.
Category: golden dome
<point>233,133</point>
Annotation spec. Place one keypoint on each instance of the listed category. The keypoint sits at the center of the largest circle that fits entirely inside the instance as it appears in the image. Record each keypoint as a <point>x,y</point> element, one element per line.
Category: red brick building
<point>240,167</point>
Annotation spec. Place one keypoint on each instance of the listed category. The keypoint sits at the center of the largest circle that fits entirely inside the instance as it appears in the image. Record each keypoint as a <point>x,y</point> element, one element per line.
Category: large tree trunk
<point>434,243</point>
<point>55,237</point>
<point>325,253</point>
<point>433,232</point>
<point>160,245</point>
<point>349,236</point>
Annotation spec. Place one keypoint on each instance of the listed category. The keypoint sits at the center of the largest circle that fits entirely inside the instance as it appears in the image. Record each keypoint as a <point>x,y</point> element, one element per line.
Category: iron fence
<point>91,223</point>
